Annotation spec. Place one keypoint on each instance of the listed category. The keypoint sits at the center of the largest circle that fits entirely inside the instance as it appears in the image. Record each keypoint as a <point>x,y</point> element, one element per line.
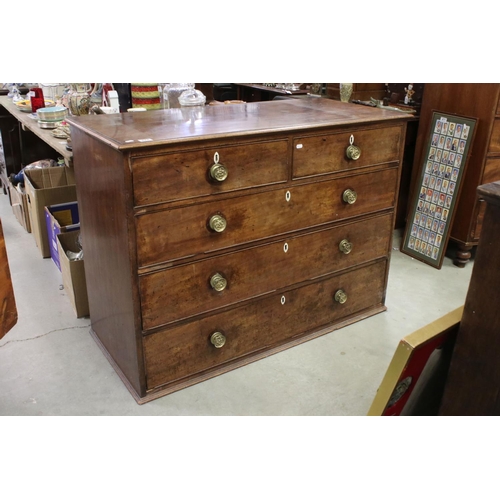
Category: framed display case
<point>437,189</point>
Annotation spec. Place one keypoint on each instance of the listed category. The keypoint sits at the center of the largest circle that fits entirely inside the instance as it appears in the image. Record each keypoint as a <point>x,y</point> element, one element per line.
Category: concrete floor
<point>50,365</point>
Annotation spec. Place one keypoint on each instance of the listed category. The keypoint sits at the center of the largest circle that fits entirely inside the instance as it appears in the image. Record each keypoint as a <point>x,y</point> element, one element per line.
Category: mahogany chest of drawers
<point>216,236</point>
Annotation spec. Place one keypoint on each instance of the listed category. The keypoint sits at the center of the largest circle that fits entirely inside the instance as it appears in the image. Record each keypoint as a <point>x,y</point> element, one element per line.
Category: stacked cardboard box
<point>73,273</point>
<point>60,218</point>
<point>46,187</point>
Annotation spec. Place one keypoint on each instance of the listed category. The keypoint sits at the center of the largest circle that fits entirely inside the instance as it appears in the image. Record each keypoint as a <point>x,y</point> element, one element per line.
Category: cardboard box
<point>19,203</point>
<point>73,273</point>
<point>60,218</point>
<point>45,187</point>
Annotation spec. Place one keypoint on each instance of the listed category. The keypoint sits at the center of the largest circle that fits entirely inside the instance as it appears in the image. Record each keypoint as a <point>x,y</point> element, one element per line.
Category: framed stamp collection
<point>437,187</point>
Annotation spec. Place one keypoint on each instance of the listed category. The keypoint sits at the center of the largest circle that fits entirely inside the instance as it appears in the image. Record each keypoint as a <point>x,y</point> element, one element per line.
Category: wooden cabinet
<point>475,100</point>
<point>255,92</point>
<point>218,236</point>
<point>360,91</point>
<point>10,149</point>
<point>474,374</point>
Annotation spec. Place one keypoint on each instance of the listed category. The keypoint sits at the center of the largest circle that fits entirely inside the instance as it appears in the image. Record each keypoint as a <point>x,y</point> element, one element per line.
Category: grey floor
<point>50,365</point>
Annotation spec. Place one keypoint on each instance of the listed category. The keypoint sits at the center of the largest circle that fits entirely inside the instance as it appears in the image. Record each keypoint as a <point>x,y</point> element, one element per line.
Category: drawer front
<point>268,322</point>
<point>326,154</point>
<point>182,232</point>
<point>167,295</point>
<point>184,175</point>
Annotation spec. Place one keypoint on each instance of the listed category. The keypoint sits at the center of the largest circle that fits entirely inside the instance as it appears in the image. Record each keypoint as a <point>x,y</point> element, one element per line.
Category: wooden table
<point>25,142</point>
<point>28,122</point>
<point>252,92</point>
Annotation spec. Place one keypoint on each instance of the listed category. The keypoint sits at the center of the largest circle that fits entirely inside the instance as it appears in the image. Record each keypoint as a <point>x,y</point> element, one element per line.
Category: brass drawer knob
<point>345,246</point>
<point>218,172</point>
<point>353,152</point>
<point>349,196</point>
<point>340,296</point>
<point>218,339</point>
<point>217,223</point>
<point>218,282</point>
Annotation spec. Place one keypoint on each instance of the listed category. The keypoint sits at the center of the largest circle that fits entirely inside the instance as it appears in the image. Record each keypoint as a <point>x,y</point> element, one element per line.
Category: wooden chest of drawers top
<point>129,131</point>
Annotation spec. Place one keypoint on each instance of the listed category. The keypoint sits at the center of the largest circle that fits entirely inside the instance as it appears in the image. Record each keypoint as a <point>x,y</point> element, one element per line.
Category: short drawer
<point>184,175</point>
<point>328,153</point>
<point>186,231</point>
<point>265,323</point>
<point>184,291</point>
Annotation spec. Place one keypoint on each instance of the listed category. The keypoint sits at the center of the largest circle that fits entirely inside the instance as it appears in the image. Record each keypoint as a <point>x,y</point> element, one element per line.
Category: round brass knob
<point>345,246</point>
<point>353,152</point>
<point>340,296</point>
<point>349,196</point>
<point>217,223</point>
<point>218,282</point>
<point>218,339</point>
<point>218,172</point>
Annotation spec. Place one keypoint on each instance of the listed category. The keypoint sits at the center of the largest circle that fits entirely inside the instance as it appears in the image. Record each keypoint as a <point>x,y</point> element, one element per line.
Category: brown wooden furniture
<point>10,149</point>
<point>473,383</point>
<point>475,100</point>
<point>360,91</point>
<point>29,125</point>
<point>8,316</point>
<point>254,92</point>
<point>24,142</point>
<point>215,237</point>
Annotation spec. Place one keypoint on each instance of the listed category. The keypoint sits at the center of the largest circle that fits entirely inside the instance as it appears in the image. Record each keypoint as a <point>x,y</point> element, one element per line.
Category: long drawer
<point>265,323</point>
<point>189,174</point>
<point>327,153</point>
<point>181,232</point>
<point>167,295</point>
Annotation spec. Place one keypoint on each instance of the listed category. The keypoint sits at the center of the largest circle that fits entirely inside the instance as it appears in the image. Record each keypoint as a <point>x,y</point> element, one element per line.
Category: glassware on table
<point>174,91</point>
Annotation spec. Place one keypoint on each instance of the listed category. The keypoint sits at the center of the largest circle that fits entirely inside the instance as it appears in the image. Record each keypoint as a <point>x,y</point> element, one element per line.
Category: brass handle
<point>218,282</point>
<point>345,246</point>
<point>349,196</point>
<point>218,172</point>
<point>218,339</point>
<point>340,296</point>
<point>353,152</point>
<point>217,223</point>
